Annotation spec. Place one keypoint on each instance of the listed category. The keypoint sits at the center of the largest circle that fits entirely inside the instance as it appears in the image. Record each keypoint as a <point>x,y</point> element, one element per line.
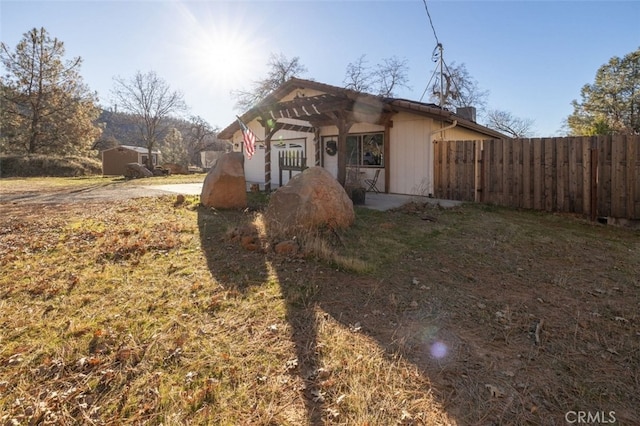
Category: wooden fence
<point>595,176</point>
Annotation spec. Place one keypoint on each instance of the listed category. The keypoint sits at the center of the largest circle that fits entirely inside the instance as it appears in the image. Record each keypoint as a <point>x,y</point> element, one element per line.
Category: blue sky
<point>532,56</point>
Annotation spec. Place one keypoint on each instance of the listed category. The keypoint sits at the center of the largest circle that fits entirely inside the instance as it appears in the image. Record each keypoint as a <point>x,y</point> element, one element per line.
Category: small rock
<point>248,242</point>
<point>286,248</point>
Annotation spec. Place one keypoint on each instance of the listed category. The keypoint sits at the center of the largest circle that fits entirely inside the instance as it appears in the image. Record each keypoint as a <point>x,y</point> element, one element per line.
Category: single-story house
<point>114,160</point>
<point>351,134</point>
<point>209,159</point>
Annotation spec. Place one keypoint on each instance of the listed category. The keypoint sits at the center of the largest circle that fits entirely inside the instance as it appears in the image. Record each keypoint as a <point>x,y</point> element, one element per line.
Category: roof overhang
<point>324,109</point>
<point>435,112</point>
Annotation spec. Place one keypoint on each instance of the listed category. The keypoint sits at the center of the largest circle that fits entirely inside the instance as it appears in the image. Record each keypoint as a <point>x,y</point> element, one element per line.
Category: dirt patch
<point>104,192</point>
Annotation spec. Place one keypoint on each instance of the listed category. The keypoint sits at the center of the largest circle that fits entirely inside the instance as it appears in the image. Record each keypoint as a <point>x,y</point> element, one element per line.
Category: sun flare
<point>221,52</point>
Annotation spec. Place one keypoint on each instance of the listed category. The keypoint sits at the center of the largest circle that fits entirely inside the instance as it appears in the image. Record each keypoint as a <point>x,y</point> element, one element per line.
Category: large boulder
<point>224,186</point>
<point>135,170</point>
<point>312,199</point>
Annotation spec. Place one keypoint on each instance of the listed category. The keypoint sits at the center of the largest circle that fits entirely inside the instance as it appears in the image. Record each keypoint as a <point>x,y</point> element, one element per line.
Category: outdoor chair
<point>371,183</point>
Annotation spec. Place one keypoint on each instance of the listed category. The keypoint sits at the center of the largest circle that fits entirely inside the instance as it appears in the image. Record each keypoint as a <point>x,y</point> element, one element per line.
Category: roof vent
<point>468,113</point>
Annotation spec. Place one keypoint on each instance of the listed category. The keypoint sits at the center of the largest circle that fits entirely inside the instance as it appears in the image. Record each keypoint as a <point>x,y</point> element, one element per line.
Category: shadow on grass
<point>461,303</point>
<point>310,289</point>
<point>228,263</point>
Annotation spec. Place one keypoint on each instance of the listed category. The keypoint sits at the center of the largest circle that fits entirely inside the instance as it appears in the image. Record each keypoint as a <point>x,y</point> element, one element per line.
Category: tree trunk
<point>343,125</point>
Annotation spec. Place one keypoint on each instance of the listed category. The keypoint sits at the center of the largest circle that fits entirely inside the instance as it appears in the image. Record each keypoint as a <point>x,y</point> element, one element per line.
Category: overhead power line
<point>430,21</point>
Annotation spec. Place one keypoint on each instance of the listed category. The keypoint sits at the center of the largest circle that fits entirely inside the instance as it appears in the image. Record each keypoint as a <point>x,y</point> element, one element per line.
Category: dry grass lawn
<point>145,312</point>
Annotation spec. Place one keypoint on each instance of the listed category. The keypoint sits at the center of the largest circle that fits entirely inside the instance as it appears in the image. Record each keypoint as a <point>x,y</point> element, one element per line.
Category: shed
<point>114,160</point>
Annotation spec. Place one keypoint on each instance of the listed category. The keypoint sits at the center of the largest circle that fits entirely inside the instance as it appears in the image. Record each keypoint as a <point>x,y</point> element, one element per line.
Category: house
<point>209,159</point>
<point>115,159</point>
<point>352,135</point>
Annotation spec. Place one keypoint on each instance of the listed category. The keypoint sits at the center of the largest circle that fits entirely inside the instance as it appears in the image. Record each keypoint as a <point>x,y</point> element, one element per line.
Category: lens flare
<point>439,350</point>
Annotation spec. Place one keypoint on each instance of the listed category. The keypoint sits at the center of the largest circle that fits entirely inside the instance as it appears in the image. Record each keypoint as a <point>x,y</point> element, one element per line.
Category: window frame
<point>361,140</point>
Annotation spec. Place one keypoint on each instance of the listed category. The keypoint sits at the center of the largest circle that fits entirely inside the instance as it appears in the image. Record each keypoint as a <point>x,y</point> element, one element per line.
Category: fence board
<point>560,178</point>
<point>617,177</point>
<point>633,178</point>
<point>538,167</point>
<point>586,176</point>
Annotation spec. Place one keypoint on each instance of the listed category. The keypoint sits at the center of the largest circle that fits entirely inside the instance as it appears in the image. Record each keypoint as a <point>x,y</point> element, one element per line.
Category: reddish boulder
<point>224,186</point>
<point>312,199</point>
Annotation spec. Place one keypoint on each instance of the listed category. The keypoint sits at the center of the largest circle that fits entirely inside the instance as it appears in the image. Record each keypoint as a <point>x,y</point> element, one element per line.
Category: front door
<point>330,154</point>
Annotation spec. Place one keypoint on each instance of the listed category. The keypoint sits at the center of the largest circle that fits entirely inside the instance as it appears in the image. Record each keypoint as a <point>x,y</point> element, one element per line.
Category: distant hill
<point>119,128</point>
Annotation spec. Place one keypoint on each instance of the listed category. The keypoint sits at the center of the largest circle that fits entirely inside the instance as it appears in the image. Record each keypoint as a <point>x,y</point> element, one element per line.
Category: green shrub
<point>47,165</point>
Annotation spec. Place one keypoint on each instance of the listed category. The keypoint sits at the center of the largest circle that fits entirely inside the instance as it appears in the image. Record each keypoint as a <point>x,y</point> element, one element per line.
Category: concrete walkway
<point>178,188</point>
<point>373,200</point>
<point>384,202</point>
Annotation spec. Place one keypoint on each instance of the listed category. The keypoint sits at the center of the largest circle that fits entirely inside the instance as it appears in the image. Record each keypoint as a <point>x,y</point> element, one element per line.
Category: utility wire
<point>434,55</point>
<point>430,21</point>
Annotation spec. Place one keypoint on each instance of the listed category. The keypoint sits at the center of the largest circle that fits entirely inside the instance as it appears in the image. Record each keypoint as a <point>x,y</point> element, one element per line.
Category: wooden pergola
<point>341,110</point>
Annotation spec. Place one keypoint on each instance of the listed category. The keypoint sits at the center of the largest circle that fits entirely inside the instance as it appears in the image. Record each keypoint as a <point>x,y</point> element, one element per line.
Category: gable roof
<point>335,98</point>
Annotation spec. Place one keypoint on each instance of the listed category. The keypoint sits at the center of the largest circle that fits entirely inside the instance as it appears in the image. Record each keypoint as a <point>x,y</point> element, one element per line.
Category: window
<point>365,149</point>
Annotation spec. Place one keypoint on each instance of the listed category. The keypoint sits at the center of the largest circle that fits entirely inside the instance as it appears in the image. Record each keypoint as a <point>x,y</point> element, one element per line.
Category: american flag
<point>249,139</point>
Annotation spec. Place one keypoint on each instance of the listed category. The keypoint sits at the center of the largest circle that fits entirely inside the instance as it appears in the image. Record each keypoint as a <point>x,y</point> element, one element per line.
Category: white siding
<point>459,134</point>
<point>254,167</point>
<point>411,152</point>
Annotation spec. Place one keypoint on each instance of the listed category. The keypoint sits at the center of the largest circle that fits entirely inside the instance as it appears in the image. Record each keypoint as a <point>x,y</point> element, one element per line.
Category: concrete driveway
<point>178,188</point>
<point>114,192</point>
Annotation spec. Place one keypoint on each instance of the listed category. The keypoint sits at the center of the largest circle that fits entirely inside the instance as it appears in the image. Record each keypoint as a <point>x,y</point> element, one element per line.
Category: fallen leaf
<point>292,364</point>
<point>494,391</point>
<point>317,395</point>
<point>332,413</point>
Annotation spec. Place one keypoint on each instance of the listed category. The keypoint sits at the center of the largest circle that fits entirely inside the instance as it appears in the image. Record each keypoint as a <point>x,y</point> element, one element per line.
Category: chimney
<point>468,113</point>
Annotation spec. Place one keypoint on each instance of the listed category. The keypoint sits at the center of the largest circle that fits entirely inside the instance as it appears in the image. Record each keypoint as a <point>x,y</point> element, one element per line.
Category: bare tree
<point>281,69</point>
<point>201,137</point>
<point>358,76</point>
<point>387,76</point>
<point>505,122</point>
<point>391,74</point>
<point>151,101</point>
<point>458,89</point>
